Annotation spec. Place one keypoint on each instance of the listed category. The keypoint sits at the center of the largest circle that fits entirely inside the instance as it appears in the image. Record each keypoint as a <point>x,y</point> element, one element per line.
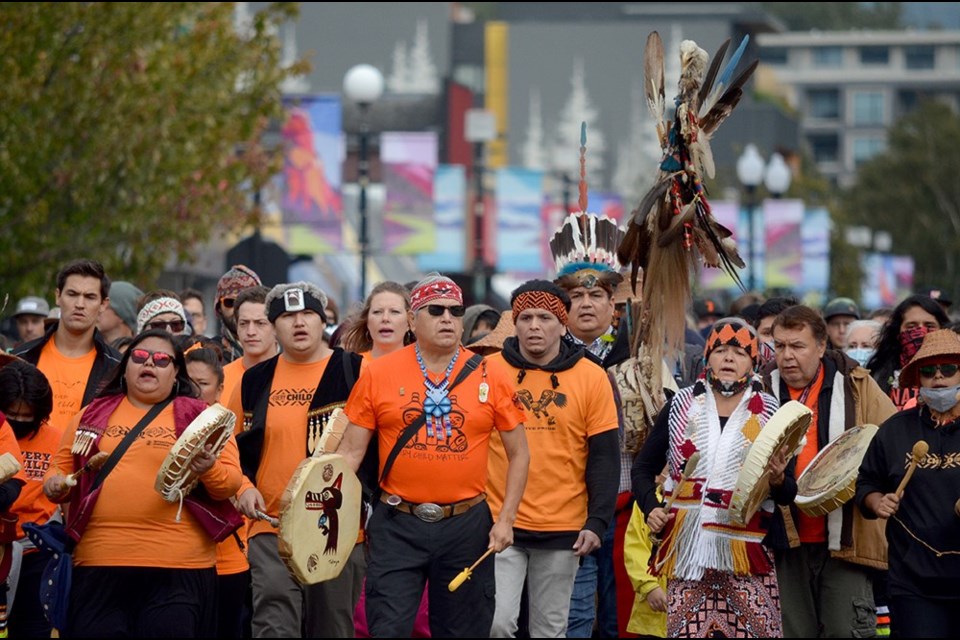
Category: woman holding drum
<point>910,477</point>
<point>720,576</point>
<point>142,566</point>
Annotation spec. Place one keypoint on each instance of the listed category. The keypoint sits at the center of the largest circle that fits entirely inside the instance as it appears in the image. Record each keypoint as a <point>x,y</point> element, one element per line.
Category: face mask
<point>910,341</point>
<point>940,400</point>
<point>861,354</point>
<point>22,428</point>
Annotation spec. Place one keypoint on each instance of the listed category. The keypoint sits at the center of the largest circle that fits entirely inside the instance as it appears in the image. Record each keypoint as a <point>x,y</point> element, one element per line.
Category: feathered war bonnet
<point>584,248</point>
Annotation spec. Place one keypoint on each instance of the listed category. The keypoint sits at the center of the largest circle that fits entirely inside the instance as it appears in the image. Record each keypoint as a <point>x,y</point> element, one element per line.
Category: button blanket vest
<point>332,391</point>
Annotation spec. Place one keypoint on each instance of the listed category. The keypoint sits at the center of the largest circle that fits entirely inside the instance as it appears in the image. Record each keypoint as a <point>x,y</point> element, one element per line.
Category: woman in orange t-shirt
<point>27,401</point>
<point>142,565</point>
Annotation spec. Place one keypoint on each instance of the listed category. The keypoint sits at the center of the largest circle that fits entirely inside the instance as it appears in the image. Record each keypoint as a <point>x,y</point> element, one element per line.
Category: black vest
<point>332,392</point>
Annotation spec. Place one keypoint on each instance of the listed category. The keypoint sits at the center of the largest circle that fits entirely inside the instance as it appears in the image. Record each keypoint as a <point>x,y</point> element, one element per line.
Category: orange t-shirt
<point>559,422</point>
<point>33,505</point>
<point>68,379</point>
<point>232,374</point>
<point>389,396</point>
<point>810,529</point>
<point>9,444</point>
<point>285,437</point>
<point>131,524</point>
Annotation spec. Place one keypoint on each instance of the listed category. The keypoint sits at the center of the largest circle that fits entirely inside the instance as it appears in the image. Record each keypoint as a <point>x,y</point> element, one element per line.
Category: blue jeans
<point>595,578</point>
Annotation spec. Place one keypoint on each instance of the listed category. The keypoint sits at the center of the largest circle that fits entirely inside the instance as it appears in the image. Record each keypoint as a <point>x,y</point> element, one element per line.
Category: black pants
<point>405,552</point>
<point>26,618</point>
<point>916,617</point>
<point>233,605</point>
<point>143,602</point>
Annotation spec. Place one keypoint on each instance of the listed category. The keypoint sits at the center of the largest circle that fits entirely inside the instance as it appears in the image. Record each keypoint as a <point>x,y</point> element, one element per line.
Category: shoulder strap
<point>414,426</point>
<point>128,439</point>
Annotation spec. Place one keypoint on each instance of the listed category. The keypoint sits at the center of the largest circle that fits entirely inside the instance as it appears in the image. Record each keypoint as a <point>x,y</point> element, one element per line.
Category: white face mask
<point>940,400</point>
<point>861,354</point>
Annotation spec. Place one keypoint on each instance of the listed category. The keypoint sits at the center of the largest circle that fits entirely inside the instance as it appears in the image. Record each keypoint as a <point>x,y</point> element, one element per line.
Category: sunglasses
<point>161,360</point>
<point>947,370</point>
<point>228,302</point>
<point>437,310</point>
<point>173,326</point>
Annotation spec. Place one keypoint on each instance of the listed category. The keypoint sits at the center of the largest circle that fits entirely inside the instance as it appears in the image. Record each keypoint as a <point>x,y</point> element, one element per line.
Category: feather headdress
<point>672,232</point>
<point>584,248</point>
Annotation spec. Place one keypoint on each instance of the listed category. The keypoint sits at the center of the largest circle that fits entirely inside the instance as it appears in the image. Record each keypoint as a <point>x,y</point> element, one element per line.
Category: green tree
<point>130,132</point>
<point>836,16</point>
<point>912,191</point>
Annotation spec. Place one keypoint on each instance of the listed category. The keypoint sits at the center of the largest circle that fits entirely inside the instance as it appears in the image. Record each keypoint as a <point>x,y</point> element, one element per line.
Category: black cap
<point>940,295</point>
<point>705,307</point>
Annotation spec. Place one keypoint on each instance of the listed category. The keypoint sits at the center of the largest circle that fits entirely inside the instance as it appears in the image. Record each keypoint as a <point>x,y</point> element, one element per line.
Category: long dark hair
<point>887,358</point>
<point>183,386</point>
<point>21,381</point>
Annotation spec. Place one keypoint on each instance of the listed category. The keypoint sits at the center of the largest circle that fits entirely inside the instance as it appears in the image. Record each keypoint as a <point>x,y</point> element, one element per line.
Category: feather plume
<point>653,84</point>
<point>723,79</point>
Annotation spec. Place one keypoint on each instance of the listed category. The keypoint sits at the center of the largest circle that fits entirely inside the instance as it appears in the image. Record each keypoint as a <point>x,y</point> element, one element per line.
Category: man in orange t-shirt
<point>825,587</point>
<point>280,404</point>
<point>572,433</point>
<point>72,354</point>
<point>255,333</point>
<point>432,520</point>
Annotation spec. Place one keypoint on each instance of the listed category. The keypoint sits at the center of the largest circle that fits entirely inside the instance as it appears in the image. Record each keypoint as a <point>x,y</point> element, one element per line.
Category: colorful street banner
<point>450,210</point>
<point>409,162</point>
<point>519,205</point>
<point>889,279</point>
<point>310,187</point>
<point>816,250</point>
<point>783,243</point>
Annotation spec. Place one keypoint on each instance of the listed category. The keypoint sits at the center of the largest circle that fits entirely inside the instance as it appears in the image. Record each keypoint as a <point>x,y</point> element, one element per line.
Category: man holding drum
<point>825,588</point>
<point>282,404</point>
<point>432,519</point>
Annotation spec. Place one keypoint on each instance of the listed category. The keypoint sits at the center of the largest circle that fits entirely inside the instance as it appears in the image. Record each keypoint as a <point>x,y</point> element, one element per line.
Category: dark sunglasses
<point>947,370</point>
<point>227,302</point>
<point>437,310</point>
<point>161,360</point>
<point>173,326</point>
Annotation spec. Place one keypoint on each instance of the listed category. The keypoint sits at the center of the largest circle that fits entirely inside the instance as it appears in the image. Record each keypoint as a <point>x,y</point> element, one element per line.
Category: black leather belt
<point>429,511</point>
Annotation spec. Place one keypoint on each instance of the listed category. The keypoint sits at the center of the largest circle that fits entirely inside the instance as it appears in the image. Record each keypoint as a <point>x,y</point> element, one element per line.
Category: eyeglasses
<point>173,326</point>
<point>161,360</point>
<point>947,370</point>
<point>437,310</point>
<point>227,302</point>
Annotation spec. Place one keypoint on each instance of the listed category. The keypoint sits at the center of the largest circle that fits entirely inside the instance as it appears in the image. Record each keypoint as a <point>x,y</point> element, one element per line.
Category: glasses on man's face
<point>437,310</point>
<point>227,303</point>
<point>161,360</point>
<point>948,370</point>
<point>173,326</point>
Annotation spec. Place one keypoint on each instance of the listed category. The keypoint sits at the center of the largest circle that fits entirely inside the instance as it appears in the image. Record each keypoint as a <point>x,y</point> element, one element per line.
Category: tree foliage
<point>912,191</point>
<point>836,16</point>
<point>130,132</point>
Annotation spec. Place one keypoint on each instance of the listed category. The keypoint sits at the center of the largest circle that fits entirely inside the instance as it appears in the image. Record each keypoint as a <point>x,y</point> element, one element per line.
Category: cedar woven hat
<point>494,340</point>
<point>939,347</point>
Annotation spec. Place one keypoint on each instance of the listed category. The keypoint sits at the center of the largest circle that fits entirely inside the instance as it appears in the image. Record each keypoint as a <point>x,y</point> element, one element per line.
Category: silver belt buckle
<point>428,512</point>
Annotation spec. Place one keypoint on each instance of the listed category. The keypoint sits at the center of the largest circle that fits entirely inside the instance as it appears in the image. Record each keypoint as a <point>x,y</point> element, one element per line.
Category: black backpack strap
<point>411,430</point>
<point>128,439</point>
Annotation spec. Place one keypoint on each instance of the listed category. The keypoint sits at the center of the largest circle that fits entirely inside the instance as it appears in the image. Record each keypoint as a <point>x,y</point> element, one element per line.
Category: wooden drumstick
<point>264,516</point>
<point>464,575</point>
<point>688,470</point>
<point>93,464</point>
<point>919,451</point>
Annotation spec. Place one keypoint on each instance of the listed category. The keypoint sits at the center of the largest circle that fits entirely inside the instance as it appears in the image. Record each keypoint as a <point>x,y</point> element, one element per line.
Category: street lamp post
<point>750,168</point>
<point>363,84</point>
<point>778,176</point>
<point>479,128</point>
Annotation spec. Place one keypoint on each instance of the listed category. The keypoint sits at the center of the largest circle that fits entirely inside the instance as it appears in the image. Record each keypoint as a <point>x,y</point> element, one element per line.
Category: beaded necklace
<point>436,403</point>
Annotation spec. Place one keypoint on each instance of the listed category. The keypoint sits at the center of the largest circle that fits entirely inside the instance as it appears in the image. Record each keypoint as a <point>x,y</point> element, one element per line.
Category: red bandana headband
<point>539,300</point>
<point>437,290</point>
